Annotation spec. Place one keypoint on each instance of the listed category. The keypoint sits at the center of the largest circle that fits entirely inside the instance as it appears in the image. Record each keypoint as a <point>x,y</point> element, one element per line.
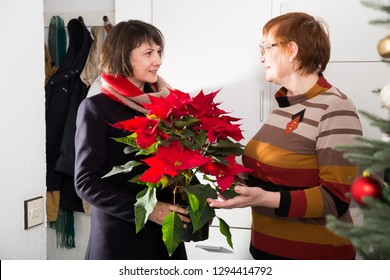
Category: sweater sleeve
<point>339,125</point>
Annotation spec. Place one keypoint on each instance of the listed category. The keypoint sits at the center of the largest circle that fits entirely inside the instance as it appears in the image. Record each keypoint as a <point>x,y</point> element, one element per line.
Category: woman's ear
<point>293,50</point>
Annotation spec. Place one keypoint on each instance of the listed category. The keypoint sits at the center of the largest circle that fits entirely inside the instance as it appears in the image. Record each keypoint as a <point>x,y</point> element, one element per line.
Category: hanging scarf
<point>120,89</point>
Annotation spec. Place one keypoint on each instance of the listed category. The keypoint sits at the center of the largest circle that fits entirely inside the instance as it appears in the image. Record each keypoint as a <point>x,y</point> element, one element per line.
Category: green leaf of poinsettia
<point>150,150</point>
<point>130,149</point>
<point>200,211</point>
<point>126,168</point>
<point>200,139</point>
<point>186,120</point>
<point>197,194</point>
<point>193,201</point>
<point>202,216</point>
<point>146,201</point>
<point>226,148</point>
<point>201,191</point>
<point>173,231</point>
<point>225,230</point>
<point>229,193</point>
<point>128,140</point>
<point>226,143</point>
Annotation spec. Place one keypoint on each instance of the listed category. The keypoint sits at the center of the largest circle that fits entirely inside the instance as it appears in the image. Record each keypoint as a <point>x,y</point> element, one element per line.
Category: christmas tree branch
<point>381,123</point>
<point>376,5</point>
<point>371,154</point>
<point>372,238</point>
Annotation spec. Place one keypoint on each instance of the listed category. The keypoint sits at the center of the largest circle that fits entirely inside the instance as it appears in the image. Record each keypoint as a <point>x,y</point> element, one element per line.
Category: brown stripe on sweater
<point>281,113</point>
<point>339,114</point>
<point>288,115</point>
<point>310,122</point>
<point>335,92</point>
<point>316,105</point>
<point>344,131</point>
<point>330,156</point>
<point>292,143</point>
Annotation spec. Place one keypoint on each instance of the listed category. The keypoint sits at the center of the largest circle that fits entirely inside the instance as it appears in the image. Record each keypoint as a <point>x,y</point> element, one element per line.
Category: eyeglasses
<point>265,47</point>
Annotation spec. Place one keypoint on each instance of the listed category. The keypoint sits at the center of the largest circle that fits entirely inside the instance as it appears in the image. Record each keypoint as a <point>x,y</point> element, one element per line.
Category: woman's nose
<point>262,58</point>
<point>157,59</point>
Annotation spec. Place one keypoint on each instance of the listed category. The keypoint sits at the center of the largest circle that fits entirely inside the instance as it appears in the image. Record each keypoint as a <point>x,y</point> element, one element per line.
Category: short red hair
<point>310,34</point>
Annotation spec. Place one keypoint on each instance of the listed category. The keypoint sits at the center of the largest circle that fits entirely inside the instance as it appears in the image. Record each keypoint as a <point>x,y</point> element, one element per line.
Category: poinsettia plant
<point>186,140</point>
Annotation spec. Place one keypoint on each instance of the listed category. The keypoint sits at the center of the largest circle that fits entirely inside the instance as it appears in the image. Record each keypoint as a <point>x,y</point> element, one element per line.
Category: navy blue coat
<point>112,223</point>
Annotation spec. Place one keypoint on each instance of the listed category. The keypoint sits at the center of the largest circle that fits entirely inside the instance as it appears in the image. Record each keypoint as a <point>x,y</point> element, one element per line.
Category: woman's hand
<point>248,196</point>
<point>162,209</point>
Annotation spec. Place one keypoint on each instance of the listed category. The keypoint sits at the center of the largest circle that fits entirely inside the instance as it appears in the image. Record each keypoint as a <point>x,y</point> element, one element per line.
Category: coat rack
<point>90,19</point>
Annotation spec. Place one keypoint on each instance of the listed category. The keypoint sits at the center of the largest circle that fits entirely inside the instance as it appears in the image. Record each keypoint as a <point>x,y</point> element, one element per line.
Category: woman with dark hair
<point>298,177</point>
<point>130,60</point>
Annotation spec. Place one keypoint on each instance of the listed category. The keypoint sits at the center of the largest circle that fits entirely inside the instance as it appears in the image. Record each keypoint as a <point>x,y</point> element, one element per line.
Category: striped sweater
<point>292,153</point>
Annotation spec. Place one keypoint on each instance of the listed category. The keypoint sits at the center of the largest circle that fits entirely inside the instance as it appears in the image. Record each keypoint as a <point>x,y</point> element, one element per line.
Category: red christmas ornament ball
<point>365,186</point>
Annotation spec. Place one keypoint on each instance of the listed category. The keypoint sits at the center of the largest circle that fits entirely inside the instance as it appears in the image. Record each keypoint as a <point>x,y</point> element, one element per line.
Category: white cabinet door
<point>358,80</point>
<point>214,45</point>
<point>352,37</point>
<point>216,247</point>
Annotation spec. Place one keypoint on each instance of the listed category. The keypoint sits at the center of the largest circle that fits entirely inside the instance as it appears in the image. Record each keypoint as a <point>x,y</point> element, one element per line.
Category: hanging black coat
<point>64,93</point>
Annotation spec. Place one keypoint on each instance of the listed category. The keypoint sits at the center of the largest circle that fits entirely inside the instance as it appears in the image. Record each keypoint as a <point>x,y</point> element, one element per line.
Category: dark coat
<point>64,93</point>
<point>112,222</point>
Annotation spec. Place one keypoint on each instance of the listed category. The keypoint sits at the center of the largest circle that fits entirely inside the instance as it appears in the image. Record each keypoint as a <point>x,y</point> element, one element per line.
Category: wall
<point>22,143</point>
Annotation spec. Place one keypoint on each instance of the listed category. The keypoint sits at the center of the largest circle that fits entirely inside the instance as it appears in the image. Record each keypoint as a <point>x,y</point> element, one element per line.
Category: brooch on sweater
<point>295,120</point>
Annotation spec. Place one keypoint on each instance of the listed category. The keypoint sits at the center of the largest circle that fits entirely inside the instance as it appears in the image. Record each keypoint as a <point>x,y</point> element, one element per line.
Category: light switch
<point>33,212</point>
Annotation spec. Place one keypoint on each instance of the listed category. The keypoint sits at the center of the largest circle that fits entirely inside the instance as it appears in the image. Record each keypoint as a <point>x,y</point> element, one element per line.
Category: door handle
<point>261,105</point>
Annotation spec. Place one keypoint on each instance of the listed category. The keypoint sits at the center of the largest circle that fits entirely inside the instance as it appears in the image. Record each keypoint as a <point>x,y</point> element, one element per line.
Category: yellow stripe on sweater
<point>338,174</point>
<point>288,229</point>
<point>273,155</point>
<point>315,203</point>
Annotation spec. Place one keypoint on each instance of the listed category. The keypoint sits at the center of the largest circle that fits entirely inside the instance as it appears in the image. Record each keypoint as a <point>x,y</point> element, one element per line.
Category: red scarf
<point>120,89</point>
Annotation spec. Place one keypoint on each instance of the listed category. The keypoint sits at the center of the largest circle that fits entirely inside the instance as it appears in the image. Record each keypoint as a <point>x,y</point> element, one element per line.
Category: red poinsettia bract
<point>221,128</point>
<point>172,107</point>
<point>225,174</point>
<point>204,106</point>
<point>170,160</point>
<point>146,129</point>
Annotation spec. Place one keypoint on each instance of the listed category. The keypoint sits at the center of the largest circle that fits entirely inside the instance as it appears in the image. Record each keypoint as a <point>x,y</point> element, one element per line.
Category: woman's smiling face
<point>276,60</point>
<point>145,60</point>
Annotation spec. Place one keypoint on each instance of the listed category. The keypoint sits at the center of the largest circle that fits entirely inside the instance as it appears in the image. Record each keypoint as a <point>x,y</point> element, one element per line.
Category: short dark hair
<point>310,34</point>
<point>121,40</point>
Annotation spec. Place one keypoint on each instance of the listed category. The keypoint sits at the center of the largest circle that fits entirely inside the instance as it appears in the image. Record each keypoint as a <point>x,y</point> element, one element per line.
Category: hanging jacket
<point>91,68</point>
<point>57,40</point>
<point>50,68</point>
<point>54,55</point>
<point>64,93</point>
